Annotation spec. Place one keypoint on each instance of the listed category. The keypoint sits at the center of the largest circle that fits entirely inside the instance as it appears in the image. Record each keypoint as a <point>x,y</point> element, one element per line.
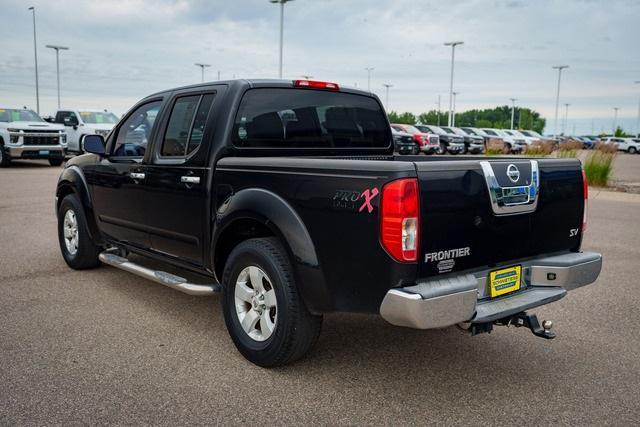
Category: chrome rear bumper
<point>441,302</point>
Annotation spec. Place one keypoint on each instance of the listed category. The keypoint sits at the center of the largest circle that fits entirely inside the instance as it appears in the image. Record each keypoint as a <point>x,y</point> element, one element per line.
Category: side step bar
<point>171,280</point>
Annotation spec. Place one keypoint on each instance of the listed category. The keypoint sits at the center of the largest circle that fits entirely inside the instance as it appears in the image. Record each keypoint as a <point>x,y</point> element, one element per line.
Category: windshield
<point>98,117</point>
<point>470,131</point>
<point>490,132</point>
<point>531,133</point>
<point>302,118</point>
<point>448,130</point>
<point>407,128</point>
<point>15,115</point>
<point>437,130</point>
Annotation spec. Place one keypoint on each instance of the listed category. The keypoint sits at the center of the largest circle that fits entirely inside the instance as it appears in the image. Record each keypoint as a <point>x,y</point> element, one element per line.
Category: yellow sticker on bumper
<point>505,280</point>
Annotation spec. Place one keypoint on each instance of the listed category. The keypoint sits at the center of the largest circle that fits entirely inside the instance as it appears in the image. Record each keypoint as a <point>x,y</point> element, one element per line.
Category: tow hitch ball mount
<point>519,320</point>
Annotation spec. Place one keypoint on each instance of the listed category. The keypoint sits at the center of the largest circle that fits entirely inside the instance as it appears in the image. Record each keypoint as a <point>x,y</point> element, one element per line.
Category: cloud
<point>124,50</point>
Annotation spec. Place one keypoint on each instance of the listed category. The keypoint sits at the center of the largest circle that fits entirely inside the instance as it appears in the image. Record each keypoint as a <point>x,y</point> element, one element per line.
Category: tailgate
<point>479,213</point>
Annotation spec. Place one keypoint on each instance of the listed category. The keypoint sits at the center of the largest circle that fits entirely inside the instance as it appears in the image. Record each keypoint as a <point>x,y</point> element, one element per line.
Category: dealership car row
<point>26,135</point>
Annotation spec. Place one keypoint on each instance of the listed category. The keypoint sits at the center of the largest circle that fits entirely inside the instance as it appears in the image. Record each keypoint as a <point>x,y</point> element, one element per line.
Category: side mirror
<point>93,144</point>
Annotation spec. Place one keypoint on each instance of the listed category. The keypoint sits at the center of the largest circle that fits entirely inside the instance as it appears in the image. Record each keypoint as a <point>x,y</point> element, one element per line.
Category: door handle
<point>137,175</point>
<point>190,179</point>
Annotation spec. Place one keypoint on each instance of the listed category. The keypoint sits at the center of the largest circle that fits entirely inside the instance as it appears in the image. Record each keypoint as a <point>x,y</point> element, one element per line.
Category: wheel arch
<point>72,181</point>
<point>256,212</point>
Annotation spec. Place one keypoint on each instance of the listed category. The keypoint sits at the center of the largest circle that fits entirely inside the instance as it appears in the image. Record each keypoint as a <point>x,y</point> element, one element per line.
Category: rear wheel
<point>264,313</point>
<point>78,249</point>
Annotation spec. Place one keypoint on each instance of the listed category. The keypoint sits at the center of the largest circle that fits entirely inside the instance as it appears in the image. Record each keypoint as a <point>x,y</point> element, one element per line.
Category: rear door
<point>177,176</point>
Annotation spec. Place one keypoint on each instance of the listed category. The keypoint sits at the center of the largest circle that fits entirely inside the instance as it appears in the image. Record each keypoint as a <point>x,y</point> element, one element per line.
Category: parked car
<point>24,135</point>
<point>473,144</point>
<point>404,142</point>
<point>453,144</point>
<point>84,122</point>
<point>287,198</point>
<point>429,143</point>
<point>629,145</point>
<point>511,144</point>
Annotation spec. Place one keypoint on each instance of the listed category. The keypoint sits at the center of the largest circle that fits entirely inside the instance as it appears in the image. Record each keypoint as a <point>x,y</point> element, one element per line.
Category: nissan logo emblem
<point>513,173</point>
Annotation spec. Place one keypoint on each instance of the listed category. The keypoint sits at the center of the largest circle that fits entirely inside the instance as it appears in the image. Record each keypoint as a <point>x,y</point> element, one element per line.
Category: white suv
<point>630,145</point>
<point>84,122</point>
<point>24,135</point>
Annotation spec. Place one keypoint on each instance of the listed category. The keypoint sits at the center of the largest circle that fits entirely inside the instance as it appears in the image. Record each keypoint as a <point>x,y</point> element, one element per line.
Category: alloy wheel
<point>256,303</point>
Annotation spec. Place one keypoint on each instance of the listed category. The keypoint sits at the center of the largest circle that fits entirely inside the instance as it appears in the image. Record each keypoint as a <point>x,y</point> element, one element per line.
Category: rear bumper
<point>447,301</point>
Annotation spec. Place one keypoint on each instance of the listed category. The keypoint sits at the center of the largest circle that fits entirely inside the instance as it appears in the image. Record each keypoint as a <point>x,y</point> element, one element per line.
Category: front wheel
<point>632,150</point>
<point>76,245</point>
<point>5,160</point>
<point>263,310</point>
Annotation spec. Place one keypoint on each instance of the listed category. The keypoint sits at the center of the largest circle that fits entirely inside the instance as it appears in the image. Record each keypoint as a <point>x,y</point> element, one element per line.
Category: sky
<point>121,51</point>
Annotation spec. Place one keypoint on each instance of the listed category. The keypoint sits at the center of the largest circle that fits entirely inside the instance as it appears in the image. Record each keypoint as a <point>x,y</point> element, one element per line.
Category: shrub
<point>569,148</point>
<point>598,167</point>
<point>539,148</point>
<point>494,147</point>
<point>607,148</point>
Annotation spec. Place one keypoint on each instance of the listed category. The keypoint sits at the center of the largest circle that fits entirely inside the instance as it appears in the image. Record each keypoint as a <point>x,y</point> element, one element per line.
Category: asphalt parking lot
<point>104,346</point>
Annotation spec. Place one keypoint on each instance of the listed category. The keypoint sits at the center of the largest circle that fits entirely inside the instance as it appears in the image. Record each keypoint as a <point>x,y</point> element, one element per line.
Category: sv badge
<point>573,232</point>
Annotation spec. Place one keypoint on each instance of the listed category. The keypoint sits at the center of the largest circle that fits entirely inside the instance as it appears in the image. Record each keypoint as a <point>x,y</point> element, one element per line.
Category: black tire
<point>55,161</point>
<point>86,255</point>
<point>4,159</point>
<point>296,329</point>
<point>632,150</point>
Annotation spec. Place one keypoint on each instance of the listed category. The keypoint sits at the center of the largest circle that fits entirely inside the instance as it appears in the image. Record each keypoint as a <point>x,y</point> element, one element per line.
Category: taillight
<point>585,192</point>
<point>400,219</point>
<point>314,84</point>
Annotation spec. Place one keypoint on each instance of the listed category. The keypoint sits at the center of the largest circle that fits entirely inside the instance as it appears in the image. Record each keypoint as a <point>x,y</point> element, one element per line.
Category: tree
<point>620,133</point>
<point>406,118</point>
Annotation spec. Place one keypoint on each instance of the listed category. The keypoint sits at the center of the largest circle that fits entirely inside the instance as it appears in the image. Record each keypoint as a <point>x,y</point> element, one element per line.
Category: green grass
<point>598,167</point>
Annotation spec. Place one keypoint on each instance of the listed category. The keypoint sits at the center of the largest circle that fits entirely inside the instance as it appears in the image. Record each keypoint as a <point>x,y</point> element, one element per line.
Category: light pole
<point>35,56</point>
<point>453,115</point>
<point>513,110</point>
<point>565,122</point>
<point>57,49</point>
<point>281,3</point>
<point>615,120</point>
<point>387,86</point>
<point>453,55</point>
<point>369,70</point>
<point>559,68</point>
<point>438,110</point>
<point>638,119</point>
<point>202,67</point>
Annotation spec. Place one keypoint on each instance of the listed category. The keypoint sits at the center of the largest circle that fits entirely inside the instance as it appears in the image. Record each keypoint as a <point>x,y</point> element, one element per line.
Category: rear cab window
<point>309,118</point>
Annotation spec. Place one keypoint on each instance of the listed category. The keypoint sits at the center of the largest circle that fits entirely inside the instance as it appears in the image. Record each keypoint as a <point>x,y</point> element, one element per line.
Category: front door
<point>177,177</point>
<point>118,180</point>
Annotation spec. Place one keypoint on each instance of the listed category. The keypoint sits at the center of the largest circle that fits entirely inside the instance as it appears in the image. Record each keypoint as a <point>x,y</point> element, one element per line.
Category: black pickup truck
<point>286,197</point>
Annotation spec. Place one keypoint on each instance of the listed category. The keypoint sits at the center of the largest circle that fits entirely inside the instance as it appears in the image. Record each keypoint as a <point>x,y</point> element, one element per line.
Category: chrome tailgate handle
<point>515,199</point>
<point>137,175</point>
<point>190,179</point>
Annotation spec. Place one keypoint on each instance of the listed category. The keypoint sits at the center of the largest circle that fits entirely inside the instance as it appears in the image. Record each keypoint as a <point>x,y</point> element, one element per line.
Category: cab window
<point>186,125</point>
<point>133,136</point>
